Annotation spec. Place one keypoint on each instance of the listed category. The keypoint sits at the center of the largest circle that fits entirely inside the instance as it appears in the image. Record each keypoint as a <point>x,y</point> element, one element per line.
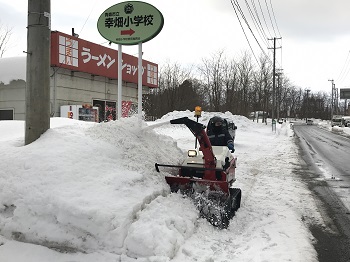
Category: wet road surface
<point>326,171</point>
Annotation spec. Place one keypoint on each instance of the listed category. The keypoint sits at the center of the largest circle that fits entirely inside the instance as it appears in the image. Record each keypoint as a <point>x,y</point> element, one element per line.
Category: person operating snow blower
<point>218,135</point>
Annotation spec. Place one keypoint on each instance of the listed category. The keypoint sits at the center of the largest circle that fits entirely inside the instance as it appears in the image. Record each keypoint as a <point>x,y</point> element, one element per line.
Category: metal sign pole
<point>140,69</point>
<point>120,82</point>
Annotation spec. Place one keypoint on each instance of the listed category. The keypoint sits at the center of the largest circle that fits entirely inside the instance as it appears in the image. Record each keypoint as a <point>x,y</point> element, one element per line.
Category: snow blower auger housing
<point>207,175</point>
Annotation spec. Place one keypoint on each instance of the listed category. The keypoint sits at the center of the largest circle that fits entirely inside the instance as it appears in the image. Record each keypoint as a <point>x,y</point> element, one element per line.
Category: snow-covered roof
<point>12,68</point>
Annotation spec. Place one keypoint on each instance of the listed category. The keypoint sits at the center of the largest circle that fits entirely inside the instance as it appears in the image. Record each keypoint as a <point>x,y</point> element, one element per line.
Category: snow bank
<point>91,192</point>
<point>79,187</point>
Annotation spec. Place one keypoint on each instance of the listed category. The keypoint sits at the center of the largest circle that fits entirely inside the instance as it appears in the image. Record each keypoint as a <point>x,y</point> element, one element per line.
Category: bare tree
<point>171,77</point>
<point>229,85</point>
<point>212,72</point>
<point>245,72</point>
<point>177,91</point>
<point>231,81</point>
<point>5,34</point>
<point>262,85</point>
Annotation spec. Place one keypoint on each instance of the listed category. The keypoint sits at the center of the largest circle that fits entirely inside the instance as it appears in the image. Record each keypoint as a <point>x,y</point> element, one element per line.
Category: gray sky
<point>315,33</point>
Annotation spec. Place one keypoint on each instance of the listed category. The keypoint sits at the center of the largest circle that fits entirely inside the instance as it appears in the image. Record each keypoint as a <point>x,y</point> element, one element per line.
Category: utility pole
<point>307,104</point>
<point>278,91</point>
<point>38,70</point>
<point>345,107</point>
<point>336,100</point>
<point>274,78</point>
<point>331,80</point>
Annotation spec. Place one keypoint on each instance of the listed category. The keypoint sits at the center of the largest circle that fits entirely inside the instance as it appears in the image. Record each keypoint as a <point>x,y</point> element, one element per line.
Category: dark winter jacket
<point>220,137</point>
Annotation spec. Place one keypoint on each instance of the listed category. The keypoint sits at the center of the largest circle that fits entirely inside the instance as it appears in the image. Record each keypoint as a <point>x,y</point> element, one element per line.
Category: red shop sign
<point>79,55</point>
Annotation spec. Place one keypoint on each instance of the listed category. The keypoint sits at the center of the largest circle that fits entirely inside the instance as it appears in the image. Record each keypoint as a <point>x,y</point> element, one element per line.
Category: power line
<point>59,66</point>
<point>262,12</point>
<point>345,77</point>
<point>342,72</point>
<point>239,20</point>
<point>274,17</point>
<point>267,28</point>
<point>268,11</point>
<point>256,23</point>
<point>246,21</point>
<point>92,9</point>
<point>258,17</point>
<point>281,65</point>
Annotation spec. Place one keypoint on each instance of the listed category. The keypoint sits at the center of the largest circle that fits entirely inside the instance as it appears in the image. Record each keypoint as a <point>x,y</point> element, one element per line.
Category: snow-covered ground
<point>336,129</point>
<point>88,192</point>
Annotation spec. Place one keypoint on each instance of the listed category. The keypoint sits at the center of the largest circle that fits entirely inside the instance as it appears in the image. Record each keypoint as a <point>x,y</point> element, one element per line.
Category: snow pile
<point>152,235</point>
<point>336,129</point>
<point>64,190</point>
<point>91,192</point>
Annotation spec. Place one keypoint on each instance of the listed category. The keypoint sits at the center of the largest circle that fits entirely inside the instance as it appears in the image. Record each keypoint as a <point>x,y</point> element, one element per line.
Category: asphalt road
<point>326,170</point>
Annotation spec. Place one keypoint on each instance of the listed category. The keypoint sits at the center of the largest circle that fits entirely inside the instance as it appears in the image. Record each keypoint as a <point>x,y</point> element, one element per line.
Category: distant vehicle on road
<point>337,120</point>
<point>309,122</point>
<point>346,121</point>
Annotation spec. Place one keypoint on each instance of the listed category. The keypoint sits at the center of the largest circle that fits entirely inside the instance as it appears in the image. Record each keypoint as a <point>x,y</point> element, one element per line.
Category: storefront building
<point>82,74</point>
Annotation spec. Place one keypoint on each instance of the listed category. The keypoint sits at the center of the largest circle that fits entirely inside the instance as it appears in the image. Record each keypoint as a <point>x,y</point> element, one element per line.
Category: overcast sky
<point>315,33</point>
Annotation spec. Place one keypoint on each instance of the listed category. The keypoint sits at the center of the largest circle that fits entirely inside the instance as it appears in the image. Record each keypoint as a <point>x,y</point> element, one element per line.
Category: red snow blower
<point>207,175</point>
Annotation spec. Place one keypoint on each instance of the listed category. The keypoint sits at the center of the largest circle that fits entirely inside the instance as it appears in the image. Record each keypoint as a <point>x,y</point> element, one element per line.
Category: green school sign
<point>130,23</point>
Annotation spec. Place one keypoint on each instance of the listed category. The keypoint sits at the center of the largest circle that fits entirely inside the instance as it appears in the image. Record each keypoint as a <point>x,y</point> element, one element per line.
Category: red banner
<point>79,55</point>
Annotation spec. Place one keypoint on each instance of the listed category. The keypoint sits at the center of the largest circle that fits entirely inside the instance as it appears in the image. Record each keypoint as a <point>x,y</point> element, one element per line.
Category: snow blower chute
<point>207,175</point>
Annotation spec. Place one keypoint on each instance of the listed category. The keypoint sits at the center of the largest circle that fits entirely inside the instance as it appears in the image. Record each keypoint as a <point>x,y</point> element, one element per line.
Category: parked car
<point>309,122</point>
<point>258,114</point>
<point>337,120</point>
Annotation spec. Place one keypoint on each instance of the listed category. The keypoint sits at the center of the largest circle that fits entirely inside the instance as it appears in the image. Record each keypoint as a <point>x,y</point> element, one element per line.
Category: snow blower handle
<point>195,127</point>
<point>198,131</point>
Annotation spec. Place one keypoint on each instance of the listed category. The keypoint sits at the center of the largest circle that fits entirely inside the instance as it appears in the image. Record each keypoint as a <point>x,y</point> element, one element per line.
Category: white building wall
<point>67,88</point>
<point>12,96</point>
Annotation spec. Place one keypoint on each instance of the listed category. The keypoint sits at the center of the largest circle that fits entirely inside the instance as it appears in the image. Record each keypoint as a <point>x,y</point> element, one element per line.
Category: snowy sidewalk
<point>91,189</point>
